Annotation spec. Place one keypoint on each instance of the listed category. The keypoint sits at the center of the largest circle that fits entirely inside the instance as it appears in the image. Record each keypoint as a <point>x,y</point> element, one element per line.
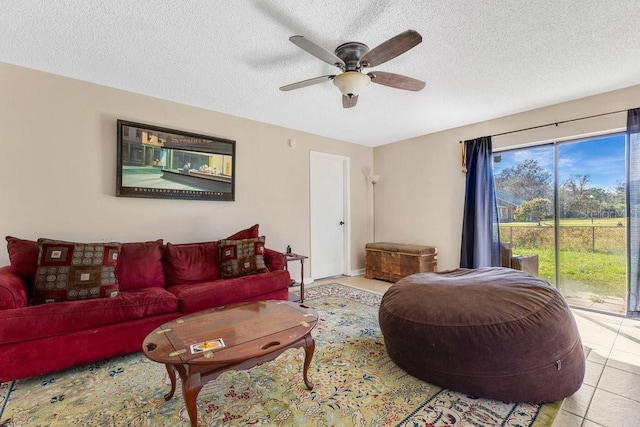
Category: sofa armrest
<point>13,290</point>
<point>274,260</point>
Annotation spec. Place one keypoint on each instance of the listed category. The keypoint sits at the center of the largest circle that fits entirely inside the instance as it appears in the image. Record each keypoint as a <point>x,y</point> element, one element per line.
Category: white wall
<point>420,196</point>
<point>57,179</point>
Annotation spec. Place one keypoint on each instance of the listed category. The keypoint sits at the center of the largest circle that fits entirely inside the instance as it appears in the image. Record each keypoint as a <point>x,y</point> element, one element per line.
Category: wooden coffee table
<point>252,333</point>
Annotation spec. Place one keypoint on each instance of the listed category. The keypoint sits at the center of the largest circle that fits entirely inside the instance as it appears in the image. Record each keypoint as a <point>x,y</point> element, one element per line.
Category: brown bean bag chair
<point>496,333</point>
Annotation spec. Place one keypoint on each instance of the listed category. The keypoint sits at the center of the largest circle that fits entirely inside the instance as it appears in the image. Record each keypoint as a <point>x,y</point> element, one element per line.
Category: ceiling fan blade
<point>397,81</point>
<point>349,101</point>
<point>317,51</point>
<point>309,82</point>
<point>393,47</point>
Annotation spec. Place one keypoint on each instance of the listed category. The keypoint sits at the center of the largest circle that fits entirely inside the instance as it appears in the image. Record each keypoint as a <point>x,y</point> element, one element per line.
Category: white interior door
<point>329,198</point>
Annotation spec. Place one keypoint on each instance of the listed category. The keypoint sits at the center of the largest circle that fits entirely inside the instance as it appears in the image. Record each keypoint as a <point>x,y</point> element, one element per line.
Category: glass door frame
<point>557,208</point>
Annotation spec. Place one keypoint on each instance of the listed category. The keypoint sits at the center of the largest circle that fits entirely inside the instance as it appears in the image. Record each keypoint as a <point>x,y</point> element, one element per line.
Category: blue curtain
<point>480,233</point>
<point>633,206</point>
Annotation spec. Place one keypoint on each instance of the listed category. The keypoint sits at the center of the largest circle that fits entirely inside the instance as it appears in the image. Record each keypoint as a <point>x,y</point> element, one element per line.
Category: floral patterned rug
<point>356,384</point>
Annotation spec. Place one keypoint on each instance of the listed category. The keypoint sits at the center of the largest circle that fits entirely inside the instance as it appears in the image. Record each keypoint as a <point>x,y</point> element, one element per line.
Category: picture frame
<point>162,163</point>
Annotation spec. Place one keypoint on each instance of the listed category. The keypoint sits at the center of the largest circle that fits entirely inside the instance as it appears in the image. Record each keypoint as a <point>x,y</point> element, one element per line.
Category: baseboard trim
<point>359,272</point>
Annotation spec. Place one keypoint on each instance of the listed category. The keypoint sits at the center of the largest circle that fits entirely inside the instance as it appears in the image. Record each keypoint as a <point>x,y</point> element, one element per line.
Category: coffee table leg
<point>190,389</point>
<point>309,348</point>
<point>171,370</point>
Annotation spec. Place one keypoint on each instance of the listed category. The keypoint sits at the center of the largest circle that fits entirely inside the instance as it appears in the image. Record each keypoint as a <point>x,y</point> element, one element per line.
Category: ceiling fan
<point>352,58</point>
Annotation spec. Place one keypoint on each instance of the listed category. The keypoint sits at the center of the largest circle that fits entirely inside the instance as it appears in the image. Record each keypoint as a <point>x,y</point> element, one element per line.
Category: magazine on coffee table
<point>208,345</point>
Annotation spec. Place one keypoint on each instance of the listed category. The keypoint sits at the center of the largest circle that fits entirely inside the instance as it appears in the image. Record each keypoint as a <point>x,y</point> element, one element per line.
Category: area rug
<point>356,384</point>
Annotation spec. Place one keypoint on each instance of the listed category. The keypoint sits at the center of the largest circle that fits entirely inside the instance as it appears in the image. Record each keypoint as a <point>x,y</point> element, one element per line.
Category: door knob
<point>341,222</point>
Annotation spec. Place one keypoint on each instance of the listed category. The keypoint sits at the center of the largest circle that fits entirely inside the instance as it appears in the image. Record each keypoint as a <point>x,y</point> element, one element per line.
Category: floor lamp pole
<point>374,180</point>
<point>374,211</point>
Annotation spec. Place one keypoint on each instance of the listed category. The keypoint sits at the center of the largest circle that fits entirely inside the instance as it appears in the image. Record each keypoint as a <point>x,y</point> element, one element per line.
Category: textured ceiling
<point>481,59</point>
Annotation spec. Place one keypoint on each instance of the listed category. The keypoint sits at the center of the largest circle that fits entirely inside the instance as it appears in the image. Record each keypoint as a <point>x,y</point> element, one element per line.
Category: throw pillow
<point>140,265</point>
<point>189,263</point>
<point>241,257</point>
<point>73,271</point>
<point>248,233</point>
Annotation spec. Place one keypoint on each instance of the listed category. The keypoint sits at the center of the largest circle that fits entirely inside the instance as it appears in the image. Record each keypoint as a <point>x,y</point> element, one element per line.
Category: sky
<point>602,158</point>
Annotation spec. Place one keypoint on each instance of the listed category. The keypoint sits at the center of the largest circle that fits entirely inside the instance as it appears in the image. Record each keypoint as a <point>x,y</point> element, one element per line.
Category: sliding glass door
<point>566,203</point>
<point>525,194</point>
<point>592,227</point>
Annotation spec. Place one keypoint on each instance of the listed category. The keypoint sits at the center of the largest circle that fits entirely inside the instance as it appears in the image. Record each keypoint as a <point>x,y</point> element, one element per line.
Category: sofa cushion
<point>23,255</point>
<point>248,233</point>
<point>241,257</point>
<point>75,271</point>
<point>202,296</point>
<point>50,320</point>
<point>190,263</point>
<point>140,265</point>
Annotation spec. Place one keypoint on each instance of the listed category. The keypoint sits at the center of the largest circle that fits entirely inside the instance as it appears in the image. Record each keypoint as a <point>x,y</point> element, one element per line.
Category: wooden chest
<point>393,261</point>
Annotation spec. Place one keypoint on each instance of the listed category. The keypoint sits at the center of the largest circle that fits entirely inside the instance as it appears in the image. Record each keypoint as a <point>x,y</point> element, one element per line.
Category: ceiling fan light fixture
<point>351,83</point>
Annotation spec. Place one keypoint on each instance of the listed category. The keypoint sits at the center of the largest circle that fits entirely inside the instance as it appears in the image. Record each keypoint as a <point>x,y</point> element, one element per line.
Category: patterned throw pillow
<point>241,257</point>
<point>73,271</point>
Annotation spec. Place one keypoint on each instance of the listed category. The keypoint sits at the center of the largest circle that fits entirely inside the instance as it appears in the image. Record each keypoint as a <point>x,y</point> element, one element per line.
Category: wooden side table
<point>295,257</point>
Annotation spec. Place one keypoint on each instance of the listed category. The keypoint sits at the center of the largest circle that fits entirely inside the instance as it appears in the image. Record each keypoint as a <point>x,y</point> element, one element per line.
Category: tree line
<point>532,186</point>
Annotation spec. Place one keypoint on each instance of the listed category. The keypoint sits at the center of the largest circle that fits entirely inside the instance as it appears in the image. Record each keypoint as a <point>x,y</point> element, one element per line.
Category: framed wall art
<point>161,163</point>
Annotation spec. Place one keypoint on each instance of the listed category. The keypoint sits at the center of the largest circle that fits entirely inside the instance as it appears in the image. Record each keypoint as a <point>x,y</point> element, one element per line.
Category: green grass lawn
<point>603,274</point>
<point>591,259</point>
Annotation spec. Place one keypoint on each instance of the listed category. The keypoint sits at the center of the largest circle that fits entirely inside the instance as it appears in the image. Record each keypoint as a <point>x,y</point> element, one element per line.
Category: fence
<point>610,240</point>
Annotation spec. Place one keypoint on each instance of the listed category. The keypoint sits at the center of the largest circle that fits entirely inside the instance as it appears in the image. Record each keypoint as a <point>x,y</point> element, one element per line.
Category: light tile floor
<point>610,394</point>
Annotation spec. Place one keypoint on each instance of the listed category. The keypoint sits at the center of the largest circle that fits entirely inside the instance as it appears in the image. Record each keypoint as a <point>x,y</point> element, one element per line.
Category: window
<point>566,202</point>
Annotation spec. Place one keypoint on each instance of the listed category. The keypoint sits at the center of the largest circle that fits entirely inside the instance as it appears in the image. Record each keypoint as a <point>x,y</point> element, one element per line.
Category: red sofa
<point>156,283</point>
